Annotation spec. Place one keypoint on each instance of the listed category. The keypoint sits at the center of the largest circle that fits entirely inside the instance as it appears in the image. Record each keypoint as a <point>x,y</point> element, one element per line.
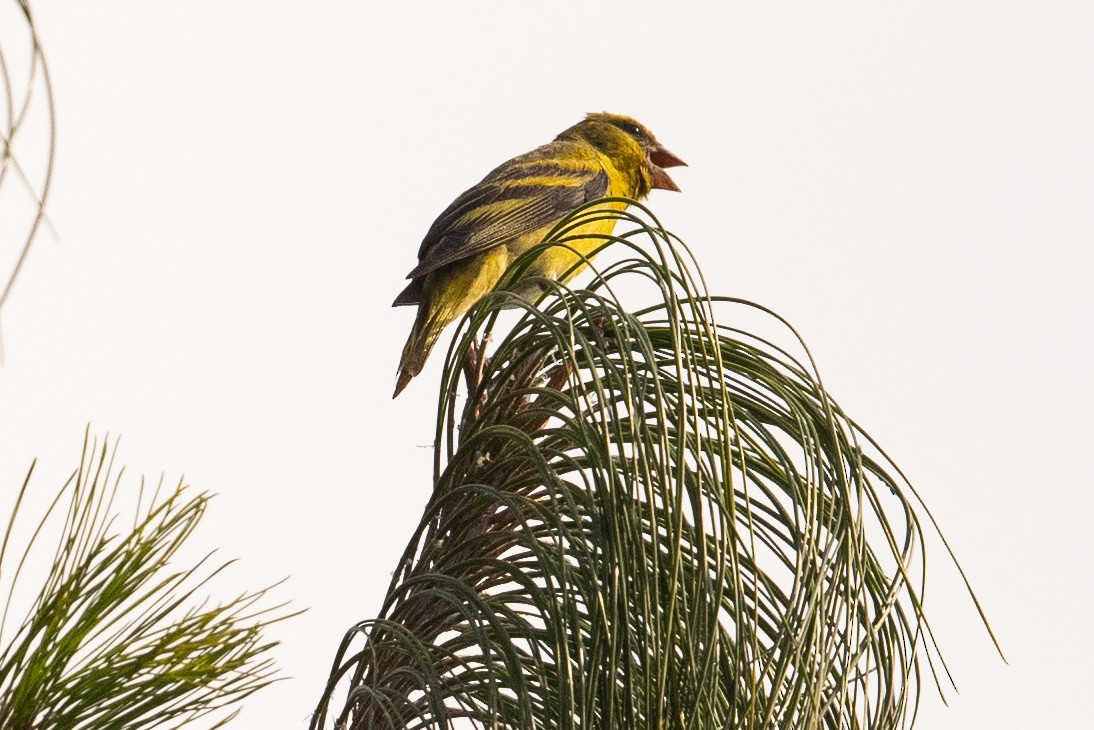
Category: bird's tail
<point>423,336</point>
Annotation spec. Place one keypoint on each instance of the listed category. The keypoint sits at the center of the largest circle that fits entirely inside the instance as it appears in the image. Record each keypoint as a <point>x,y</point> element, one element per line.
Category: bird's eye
<point>634,130</point>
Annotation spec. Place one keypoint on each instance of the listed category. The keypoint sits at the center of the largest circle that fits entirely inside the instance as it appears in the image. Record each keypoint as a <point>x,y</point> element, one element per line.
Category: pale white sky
<point>241,188</point>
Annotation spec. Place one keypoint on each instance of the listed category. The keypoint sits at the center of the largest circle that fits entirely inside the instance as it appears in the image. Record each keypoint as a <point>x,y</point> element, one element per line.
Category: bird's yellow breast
<point>564,261</point>
<point>454,289</point>
<point>451,290</point>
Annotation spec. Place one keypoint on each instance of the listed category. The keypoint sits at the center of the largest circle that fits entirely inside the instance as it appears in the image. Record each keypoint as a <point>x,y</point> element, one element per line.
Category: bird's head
<point>631,147</point>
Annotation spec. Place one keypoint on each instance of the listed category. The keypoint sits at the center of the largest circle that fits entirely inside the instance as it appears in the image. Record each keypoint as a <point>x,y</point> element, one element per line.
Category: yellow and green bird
<point>472,242</point>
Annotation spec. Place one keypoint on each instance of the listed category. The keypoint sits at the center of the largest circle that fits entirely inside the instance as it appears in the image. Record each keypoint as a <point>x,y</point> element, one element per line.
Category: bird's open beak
<point>660,158</point>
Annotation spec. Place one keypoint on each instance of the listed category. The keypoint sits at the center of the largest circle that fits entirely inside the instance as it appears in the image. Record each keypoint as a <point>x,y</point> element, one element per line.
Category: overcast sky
<point>241,188</point>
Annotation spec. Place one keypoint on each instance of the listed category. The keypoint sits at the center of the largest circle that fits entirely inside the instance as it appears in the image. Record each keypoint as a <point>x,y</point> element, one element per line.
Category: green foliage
<point>644,518</point>
<point>116,637</point>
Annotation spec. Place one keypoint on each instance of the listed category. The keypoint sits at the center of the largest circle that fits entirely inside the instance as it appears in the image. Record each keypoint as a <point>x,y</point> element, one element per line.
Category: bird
<point>470,244</point>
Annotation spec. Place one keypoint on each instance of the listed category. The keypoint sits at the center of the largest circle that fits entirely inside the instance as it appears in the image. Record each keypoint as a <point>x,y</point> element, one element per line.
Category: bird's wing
<point>524,195</point>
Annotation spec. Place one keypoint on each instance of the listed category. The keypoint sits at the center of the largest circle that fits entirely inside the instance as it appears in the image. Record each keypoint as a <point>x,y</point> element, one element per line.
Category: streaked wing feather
<point>501,208</point>
<point>411,295</point>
